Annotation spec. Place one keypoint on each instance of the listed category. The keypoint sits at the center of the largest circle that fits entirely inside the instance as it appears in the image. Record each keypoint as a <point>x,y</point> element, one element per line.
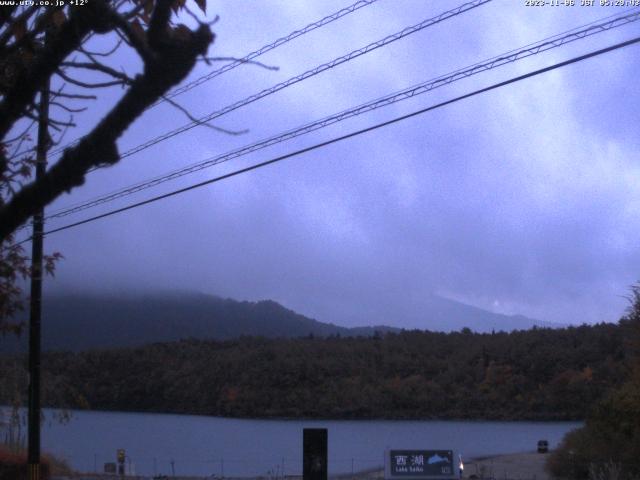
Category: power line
<point>548,43</point>
<point>309,73</point>
<point>503,59</point>
<point>267,48</point>
<point>250,56</point>
<point>347,136</point>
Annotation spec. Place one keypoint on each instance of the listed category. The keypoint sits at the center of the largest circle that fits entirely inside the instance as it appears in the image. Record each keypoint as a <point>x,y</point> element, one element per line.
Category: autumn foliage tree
<point>608,446</point>
<point>540,374</point>
<point>49,44</point>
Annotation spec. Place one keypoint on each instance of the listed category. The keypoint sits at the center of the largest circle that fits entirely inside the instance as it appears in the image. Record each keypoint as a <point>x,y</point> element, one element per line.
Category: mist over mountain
<point>445,315</point>
<point>86,321</point>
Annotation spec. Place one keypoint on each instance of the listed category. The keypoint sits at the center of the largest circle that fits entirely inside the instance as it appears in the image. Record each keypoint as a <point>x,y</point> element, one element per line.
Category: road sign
<point>419,464</point>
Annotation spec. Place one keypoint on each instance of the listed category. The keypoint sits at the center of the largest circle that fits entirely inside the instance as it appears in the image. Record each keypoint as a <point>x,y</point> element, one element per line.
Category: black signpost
<point>423,464</point>
<point>314,454</point>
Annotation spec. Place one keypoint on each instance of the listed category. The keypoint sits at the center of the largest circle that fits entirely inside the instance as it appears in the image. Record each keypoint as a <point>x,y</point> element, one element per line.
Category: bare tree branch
<point>28,41</point>
<point>19,135</point>
<point>204,124</point>
<point>126,32</point>
<point>172,55</point>
<point>234,59</point>
<point>53,122</point>
<point>15,155</point>
<point>82,20</point>
<point>77,96</point>
<point>79,83</point>
<point>67,109</point>
<point>99,67</point>
<point>9,29</point>
<point>55,143</point>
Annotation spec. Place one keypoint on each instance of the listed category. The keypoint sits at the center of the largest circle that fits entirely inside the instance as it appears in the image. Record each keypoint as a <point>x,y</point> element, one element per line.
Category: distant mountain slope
<point>443,314</point>
<point>80,322</point>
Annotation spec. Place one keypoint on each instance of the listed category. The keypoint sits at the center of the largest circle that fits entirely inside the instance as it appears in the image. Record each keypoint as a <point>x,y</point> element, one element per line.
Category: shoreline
<point>524,465</point>
<point>511,466</point>
<point>275,418</point>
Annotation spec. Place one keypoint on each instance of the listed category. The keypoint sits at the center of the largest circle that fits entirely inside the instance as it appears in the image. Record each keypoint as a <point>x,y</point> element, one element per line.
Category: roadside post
<point>120,456</point>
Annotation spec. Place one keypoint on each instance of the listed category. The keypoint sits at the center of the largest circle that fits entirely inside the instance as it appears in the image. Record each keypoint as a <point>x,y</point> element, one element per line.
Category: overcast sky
<point>521,200</point>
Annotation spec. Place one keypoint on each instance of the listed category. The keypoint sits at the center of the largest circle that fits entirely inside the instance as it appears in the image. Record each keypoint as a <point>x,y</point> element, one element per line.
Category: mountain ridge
<point>88,321</point>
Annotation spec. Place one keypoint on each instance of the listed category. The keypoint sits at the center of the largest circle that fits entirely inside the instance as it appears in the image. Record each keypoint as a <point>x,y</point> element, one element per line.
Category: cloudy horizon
<point>522,200</point>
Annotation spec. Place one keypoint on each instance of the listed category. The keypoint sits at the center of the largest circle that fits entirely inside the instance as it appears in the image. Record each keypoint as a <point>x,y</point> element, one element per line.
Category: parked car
<point>543,446</point>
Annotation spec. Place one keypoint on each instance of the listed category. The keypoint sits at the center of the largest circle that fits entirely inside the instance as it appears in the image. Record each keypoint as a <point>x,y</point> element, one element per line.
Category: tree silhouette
<point>42,44</point>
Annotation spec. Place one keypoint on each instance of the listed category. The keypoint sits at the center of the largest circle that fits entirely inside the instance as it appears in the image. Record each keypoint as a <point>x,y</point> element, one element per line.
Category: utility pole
<point>35,309</point>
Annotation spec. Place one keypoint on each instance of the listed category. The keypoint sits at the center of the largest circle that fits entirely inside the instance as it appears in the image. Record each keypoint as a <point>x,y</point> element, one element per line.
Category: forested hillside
<point>535,374</point>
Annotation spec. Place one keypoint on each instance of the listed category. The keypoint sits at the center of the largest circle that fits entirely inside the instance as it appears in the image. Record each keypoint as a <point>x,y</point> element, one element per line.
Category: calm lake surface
<point>232,447</point>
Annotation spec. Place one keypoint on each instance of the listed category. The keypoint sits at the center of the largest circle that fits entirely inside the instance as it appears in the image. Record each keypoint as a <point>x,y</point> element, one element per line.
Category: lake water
<point>233,447</point>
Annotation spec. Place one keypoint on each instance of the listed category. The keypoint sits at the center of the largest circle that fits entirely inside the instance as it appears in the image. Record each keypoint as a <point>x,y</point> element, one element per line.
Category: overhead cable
<point>310,73</point>
<point>503,59</point>
<point>267,48</point>
<point>345,137</point>
<point>250,56</point>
